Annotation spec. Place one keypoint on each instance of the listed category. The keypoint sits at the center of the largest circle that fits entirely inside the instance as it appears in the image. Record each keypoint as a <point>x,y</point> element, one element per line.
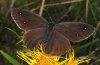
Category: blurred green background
<point>87,11</point>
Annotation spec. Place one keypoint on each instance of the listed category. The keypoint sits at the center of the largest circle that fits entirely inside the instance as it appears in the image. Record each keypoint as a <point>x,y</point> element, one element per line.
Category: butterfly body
<point>49,32</point>
<point>55,37</point>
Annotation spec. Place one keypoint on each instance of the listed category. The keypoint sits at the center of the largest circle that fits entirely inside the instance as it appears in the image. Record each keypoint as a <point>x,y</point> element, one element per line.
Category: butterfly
<point>55,37</point>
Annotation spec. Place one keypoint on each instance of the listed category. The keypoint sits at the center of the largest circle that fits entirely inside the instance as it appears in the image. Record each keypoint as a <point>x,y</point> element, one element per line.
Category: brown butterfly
<point>54,36</point>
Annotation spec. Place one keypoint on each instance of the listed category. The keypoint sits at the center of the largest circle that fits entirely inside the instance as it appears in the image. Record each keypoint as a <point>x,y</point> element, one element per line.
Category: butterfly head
<point>51,25</point>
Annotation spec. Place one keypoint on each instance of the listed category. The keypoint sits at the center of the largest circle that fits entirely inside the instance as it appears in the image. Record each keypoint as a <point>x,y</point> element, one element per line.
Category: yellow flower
<point>39,57</point>
<point>71,60</point>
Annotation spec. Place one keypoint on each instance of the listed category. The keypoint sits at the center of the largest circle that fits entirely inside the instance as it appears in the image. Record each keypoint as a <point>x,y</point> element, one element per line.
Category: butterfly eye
<point>84,28</point>
<point>20,13</point>
<point>24,22</point>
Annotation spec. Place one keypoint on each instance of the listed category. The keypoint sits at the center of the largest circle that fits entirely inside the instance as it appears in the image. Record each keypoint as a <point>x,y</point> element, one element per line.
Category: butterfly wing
<point>32,37</point>
<point>57,44</point>
<point>75,31</point>
<point>27,20</point>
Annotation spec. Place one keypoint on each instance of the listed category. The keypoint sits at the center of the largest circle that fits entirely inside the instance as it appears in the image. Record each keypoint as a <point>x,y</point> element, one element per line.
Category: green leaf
<point>9,58</point>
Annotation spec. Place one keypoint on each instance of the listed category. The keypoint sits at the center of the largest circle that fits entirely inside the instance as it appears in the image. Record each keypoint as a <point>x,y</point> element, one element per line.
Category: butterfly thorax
<point>50,27</point>
<point>49,32</point>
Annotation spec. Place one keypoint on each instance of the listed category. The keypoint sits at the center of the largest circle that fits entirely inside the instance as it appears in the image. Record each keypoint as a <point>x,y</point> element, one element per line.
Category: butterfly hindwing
<point>57,44</point>
<point>32,37</point>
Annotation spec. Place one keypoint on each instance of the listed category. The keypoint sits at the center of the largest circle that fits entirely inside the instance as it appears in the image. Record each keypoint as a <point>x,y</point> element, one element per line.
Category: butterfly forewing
<point>75,31</point>
<point>57,44</point>
<point>27,20</point>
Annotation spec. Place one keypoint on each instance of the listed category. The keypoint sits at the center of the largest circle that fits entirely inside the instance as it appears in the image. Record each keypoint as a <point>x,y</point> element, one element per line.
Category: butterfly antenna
<point>61,18</point>
<point>51,19</point>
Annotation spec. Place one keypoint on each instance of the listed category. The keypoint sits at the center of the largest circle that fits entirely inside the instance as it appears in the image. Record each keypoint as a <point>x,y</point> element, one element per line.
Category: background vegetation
<point>70,10</point>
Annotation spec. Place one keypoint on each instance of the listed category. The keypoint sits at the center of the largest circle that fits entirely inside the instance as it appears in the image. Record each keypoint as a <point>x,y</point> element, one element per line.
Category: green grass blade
<point>18,36</point>
<point>9,58</point>
<point>86,45</point>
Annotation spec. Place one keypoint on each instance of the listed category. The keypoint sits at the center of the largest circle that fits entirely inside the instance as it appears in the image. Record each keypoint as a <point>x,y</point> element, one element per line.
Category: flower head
<point>39,57</point>
<point>71,60</point>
